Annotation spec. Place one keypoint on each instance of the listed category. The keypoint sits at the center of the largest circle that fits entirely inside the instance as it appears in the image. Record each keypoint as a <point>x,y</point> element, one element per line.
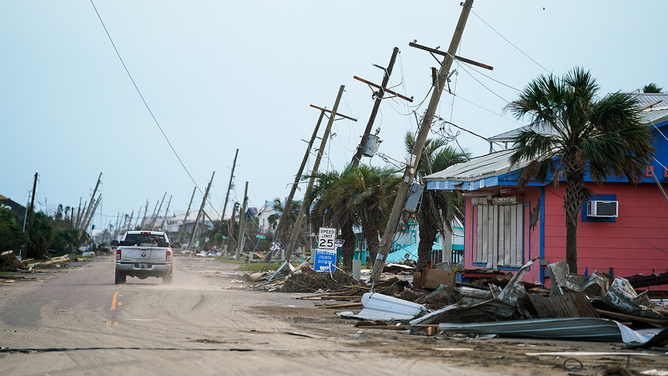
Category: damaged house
<point>621,230</point>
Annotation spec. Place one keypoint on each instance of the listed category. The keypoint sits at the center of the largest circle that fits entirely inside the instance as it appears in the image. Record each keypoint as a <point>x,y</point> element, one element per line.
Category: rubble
<point>574,307</point>
<point>9,262</point>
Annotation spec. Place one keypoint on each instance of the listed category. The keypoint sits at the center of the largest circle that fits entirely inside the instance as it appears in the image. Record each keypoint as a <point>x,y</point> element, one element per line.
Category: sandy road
<point>77,322</point>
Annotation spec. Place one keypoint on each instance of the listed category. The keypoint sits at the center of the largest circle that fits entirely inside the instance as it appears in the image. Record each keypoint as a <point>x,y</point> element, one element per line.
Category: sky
<point>209,77</point>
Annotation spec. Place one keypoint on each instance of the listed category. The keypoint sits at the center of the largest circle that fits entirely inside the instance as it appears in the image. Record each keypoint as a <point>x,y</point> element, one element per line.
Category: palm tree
<point>651,88</point>
<point>330,209</point>
<point>601,136</point>
<point>291,218</point>
<point>370,195</point>
<point>439,208</point>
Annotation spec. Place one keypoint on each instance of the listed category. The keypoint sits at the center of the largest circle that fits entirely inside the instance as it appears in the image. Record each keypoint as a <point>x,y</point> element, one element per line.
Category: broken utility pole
<point>282,222</point>
<point>30,211</point>
<point>185,217</point>
<point>230,229</point>
<point>162,225</point>
<point>242,218</point>
<point>157,212</point>
<point>314,172</point>
<point>229,186</point>
<point>206,194</point>
<point>414,160</point>
<point>376,105</point>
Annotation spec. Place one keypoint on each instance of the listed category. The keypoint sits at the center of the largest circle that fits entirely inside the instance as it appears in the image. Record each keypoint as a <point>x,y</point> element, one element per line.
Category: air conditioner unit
<point>604,209</point>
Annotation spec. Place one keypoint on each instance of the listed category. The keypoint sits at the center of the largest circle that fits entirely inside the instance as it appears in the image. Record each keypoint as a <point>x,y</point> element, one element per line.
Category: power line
<point>511,43</point>
<point>142,96</point>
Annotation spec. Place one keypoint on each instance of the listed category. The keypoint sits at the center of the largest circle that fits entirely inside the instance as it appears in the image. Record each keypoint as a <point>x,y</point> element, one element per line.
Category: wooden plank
<point>508,251</point>
<point>519,248</point>
<point>494,239</point>
<point>512,248</point>
<point>344,305</point>
<point>484,237</point>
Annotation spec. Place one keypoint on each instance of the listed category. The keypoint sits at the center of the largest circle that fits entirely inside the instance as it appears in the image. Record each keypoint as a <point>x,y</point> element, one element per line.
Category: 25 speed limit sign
<point>327,238</point>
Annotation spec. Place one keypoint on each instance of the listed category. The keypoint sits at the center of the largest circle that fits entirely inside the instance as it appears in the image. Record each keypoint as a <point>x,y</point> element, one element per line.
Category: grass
<point>253,266</point>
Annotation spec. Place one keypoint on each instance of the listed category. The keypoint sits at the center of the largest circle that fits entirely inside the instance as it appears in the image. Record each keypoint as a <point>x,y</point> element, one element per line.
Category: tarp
<point>410,252</point>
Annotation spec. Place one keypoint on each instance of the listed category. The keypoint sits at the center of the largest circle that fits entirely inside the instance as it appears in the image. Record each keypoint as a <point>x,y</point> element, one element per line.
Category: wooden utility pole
<point>132,215</point>
<point>242,219</point>
<point>314,172</point>
<point>92,213</point>
<point>143,219</point>
<point>206,194</point>
<point>76,224</point>
<point>30,211</point>
<point>185,217</point>
<point>283,221</point>
<point>162,225</point>
<point>116,229</point>
<point>85,218</point>
<point>230,230</point>
<point>229,186</point>
<point>376,105</point>
<point>414,160</point>
<point>157,212</point>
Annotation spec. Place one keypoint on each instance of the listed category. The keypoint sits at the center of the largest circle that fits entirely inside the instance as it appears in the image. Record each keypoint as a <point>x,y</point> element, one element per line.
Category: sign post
<point>325,254</point>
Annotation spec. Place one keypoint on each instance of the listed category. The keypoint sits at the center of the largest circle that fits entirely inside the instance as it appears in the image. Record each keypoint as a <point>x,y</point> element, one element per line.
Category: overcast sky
<point>222,75</point>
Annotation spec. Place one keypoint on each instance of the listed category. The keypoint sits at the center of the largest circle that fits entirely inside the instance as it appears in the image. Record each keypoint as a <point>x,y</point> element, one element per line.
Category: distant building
<point>15,206</point>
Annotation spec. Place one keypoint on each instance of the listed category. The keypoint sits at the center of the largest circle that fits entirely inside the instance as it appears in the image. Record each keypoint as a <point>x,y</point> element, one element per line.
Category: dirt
<point>219,324</point>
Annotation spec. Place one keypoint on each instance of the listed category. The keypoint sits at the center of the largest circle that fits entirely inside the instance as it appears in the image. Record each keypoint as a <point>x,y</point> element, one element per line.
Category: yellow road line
<point>113,301</point>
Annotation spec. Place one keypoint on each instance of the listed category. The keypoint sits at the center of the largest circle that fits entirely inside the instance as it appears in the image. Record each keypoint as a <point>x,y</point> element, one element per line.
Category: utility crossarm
<point>337,114</point>
<point>442,53</point>
<point>387,90</point>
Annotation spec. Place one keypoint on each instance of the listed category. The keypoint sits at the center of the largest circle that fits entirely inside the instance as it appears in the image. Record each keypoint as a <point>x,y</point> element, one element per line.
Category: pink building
<point>622,230</point>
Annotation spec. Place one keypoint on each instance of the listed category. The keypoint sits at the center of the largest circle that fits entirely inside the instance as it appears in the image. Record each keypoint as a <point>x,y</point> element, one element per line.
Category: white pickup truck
<point>143,254</point>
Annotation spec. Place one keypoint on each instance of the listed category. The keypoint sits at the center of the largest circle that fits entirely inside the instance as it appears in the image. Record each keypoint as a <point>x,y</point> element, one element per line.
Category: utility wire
<point>142,97</point>
<point>511,43</point>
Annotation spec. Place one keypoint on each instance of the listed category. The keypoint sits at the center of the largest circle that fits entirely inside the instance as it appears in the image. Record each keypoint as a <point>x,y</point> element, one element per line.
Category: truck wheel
<point>120,278</point>
<point>167,279</point>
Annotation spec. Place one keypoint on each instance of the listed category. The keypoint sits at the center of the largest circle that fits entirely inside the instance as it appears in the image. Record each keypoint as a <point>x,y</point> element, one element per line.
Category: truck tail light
<point>168,256</point>
<point>118,255</point>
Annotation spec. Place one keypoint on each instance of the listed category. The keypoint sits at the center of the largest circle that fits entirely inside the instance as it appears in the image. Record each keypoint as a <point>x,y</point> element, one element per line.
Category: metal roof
<point>493,164</point>
<point>571,328</point>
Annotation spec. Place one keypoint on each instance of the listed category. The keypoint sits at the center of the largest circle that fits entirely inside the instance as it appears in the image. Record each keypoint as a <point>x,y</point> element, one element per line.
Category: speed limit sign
<point>327,238</point>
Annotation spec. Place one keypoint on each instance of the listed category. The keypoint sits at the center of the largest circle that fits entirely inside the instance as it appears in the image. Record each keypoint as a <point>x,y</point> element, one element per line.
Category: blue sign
<point>324,260</point>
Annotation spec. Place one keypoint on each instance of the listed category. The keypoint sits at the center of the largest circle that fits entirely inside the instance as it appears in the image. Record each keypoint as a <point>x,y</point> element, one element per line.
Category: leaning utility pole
<point>230,230</point>
<point>379,98</point>
<point>229,186</point>
<point>314,172</point>
<point>206,194</point>
<point>242,219</point>
<point>85,218</point>
<point>185,217</point>
<point>141,226</point>
<point>283,222</point>
<point>30,211</point>
<point>162,225</point>
<point>414,160</point>
<point>78,221</point>
<point>157,212</point>
<point>92,213</point>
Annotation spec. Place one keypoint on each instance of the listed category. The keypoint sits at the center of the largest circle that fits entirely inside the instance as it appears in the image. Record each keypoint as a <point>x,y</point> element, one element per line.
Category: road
<point>76,321</point>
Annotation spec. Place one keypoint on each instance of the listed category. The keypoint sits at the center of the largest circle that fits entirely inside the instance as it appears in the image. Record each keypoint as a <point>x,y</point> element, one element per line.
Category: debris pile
<point>309,281</point>
<point>9,262</point>
<point>597,307</point>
